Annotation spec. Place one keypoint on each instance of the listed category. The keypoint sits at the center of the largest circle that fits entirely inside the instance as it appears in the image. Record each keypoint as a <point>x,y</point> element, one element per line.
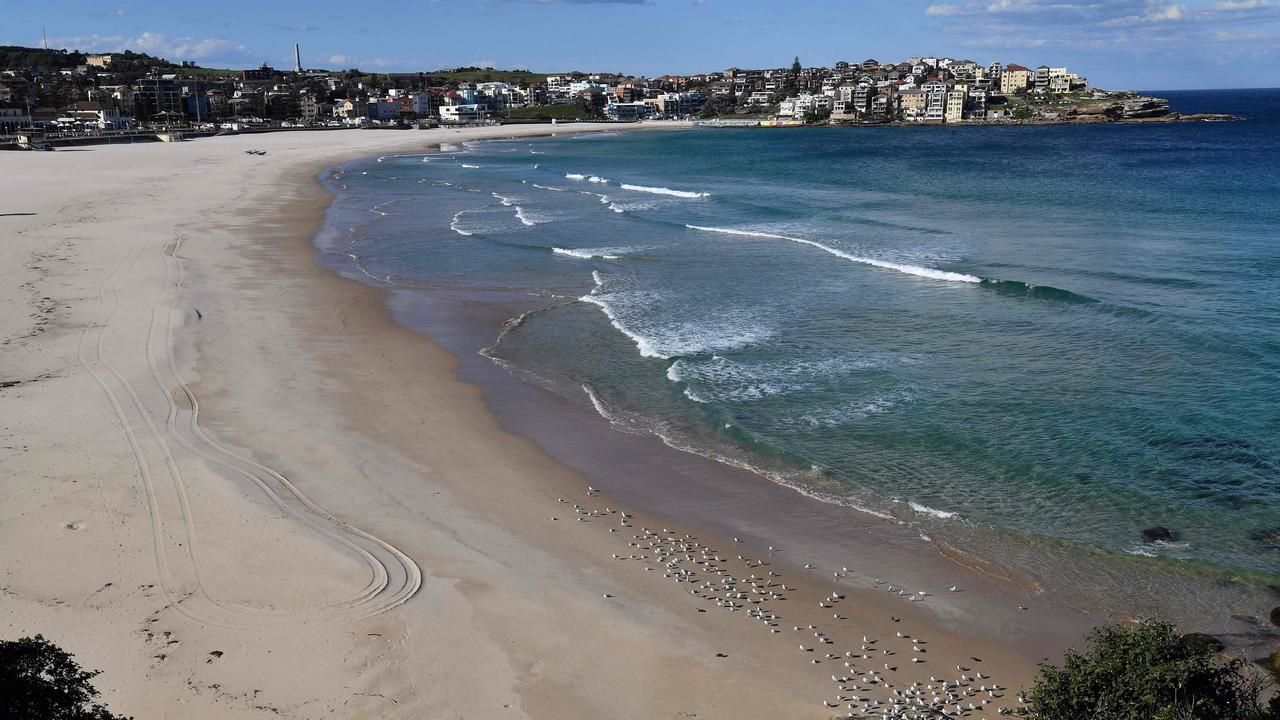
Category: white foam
<point>473,167</point>
<point>642,343</point>
<point>503,199</point>
<point>523,218</point>
<point>664,191</point>
<point>575,176</point>
<point>453,225</point>
<point>674,371</point>
<point>916,270</point>
<point>635,314</point>
<point>597,404</point>
<point>547,187</point>
<point>926,510</point>
<point>625,207</point>
<point>850,412</point>
<point>604,253</point>
<point>689,393</point>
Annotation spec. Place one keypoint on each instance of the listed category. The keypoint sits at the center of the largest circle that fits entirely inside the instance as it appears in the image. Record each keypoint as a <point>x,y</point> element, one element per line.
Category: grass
<point>508,76</point>
<point>546,112</point>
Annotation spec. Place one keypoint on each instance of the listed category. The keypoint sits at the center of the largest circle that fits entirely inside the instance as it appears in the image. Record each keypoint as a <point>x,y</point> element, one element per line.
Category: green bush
<point>1147,672</point>
<point>41,681</point>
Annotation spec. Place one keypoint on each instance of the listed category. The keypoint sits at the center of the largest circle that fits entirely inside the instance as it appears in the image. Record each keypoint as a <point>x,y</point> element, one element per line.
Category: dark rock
<point>1267,538</point>
<point>1145,107</point>
<point>1275,616</point>
<point>1272,664</point>
<point>1203,642</point>
<point>1158,534</point>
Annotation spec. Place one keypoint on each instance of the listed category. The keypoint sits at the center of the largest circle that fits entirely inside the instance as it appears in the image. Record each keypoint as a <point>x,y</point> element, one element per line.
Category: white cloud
<point>1153,14</point>
<point>1241,5</point>
<point>998,7</point>
<point>339,59</point>
<point>159,44</point>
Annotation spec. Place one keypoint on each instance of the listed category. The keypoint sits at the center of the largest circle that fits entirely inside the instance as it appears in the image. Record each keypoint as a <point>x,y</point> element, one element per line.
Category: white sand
<point>343,530</point>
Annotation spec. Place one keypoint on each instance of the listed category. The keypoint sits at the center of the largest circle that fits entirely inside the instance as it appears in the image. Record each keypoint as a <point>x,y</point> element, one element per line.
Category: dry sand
<point>228,480</point>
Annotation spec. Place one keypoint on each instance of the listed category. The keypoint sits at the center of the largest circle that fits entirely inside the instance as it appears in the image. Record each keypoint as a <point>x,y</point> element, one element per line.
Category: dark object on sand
<point>1202,642</point>
<point>1158,534</point>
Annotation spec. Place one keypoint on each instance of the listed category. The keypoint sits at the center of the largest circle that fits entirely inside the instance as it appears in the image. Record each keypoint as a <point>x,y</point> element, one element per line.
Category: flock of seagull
<point>864,680</point>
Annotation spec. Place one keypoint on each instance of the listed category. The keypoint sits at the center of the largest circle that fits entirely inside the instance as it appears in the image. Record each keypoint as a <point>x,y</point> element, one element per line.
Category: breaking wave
<point>664,191</point>
<point>603,253</point>
<point>631,312</point>
<point>530,219</point>
<point>455,225</point>
<point>916,270</point>
<point>926,510</point>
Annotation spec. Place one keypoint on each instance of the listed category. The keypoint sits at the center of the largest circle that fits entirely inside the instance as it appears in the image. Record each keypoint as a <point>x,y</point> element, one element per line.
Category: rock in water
<point>1158,534</point>
<point>1145,107</point>
<point>1203,641</point>
<point>1275,616</point>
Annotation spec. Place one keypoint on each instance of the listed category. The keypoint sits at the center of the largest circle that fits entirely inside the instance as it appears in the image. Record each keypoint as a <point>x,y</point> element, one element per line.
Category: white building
<point>462,113</point>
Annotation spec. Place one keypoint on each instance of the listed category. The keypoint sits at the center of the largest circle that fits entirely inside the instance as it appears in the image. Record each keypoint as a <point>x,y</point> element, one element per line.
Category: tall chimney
<point>297,58</point>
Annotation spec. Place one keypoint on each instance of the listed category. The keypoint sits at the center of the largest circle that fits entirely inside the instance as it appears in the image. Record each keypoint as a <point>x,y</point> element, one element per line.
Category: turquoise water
<point>1014,338</point>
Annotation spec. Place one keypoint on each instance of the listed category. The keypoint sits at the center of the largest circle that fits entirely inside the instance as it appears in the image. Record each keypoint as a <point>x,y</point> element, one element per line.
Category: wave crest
<point>664,191</point>
<point>916,270</point>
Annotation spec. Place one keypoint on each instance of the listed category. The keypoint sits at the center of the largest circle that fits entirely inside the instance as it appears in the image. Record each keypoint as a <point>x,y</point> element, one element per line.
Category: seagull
<point>954,588</point>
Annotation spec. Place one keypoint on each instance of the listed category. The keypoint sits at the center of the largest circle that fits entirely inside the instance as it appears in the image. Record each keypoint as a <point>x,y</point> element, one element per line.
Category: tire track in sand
<point>393,576</point>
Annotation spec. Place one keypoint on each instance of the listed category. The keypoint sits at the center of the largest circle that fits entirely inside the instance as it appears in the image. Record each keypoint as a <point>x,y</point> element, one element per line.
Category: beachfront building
<point>862,95</point>
<point>913,103</point>
<point>13,118</point>
<point>955,102</point>
<point>1015,79</point>
<point>158,96</point>
<point>457,114</point>
<point>626,111</point>
<point>93,113</point>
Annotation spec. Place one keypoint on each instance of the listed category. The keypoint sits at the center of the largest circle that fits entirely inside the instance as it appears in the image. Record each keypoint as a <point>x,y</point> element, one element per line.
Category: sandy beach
<point>234,483</point>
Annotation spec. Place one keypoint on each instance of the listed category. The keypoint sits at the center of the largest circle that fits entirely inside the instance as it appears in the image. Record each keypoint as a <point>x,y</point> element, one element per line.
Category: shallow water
<point>1030,343</point>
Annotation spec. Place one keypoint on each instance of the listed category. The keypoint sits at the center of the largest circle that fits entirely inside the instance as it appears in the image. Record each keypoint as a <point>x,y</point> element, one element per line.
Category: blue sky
<point>1145,44</point>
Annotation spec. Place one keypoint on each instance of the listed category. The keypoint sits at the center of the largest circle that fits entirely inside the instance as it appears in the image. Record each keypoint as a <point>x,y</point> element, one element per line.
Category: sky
<point>1119,44</point>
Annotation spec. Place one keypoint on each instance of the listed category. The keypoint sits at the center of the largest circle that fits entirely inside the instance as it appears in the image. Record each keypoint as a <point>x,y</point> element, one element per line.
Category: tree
<point>716,106</point>
<point>1147,672</point>
<point>41,681</point>
<point>796,67</point>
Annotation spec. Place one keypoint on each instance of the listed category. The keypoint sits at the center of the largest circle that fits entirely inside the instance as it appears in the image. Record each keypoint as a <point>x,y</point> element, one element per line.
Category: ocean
<point>1029,343</point>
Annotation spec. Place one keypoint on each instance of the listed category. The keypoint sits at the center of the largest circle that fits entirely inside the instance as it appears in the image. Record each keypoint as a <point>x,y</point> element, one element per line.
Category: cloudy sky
<point>1142,44</point>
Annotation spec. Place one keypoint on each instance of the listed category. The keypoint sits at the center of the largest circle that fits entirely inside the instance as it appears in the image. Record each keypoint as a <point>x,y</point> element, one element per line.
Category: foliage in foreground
<point>1147,672</point>
<point>41,681</point>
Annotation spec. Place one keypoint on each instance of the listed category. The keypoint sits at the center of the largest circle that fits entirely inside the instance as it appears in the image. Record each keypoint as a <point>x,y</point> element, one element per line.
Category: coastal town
<point>68,93</point>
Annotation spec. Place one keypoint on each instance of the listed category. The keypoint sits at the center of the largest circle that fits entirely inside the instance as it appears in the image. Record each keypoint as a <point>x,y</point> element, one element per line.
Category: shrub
<point>41,681</point>
<point>1147,672</point>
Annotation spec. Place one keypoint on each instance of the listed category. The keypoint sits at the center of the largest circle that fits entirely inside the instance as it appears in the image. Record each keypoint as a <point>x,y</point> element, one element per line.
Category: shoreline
<point>1077,120</point>
<point>464,323</point>
<point>312,378</point>
<point>690,488</point>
